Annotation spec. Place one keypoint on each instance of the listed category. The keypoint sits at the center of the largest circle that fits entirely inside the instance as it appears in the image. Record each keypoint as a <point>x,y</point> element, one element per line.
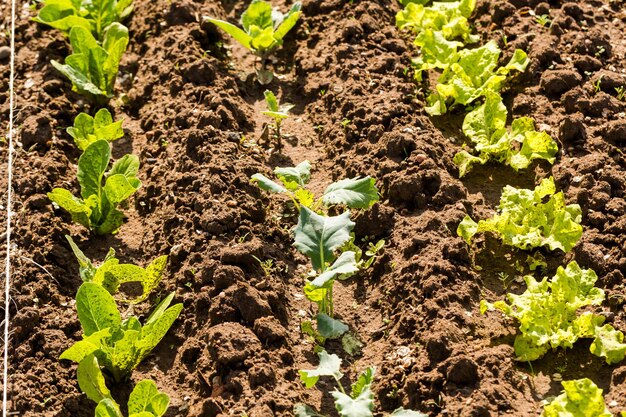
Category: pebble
<point>5,52</point>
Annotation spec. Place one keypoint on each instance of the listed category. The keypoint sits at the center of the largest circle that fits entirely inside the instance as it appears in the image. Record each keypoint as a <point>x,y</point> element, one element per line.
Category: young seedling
<point>111,274</point>
<point>358,403</point>
<point>263,31</point>
<point>278,112</point>
<point>621,92</point>
<point>543,20</point>
<point>92,68</point>
<point>96,208</point>
<point>120,345</point>
<point>87,129</point>
<point>526,220</point>
<point>321,237</point>
<point>145,400</point>
<point>549,319</point>
<point>93,15</point>
<point>580,397</point>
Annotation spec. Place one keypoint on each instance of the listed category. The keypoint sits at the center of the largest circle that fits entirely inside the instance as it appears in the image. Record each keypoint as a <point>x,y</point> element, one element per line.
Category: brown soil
<point>237,346</point>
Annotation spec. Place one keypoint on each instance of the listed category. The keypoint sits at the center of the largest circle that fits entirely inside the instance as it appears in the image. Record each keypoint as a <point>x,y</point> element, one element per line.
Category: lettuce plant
<point>548,315</point>
<point>111,274</point>
<point>450,18</point>
<point>358,403</point>
<point>144,401</point>
<point>96,208</point>
<point>263,31</point>
<point>580,398</point>
<point>485,126</point>
<point>93,15</point>
<point>525,221</point>
<point>470,74</point>
<point>319,236</point>
<point>92,68</point>
<point>87,129</point>
<point>119,345</point>
<point>278,112</point>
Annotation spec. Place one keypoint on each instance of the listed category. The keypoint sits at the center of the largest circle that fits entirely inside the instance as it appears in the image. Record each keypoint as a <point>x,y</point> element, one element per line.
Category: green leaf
<point>80,210</point>
<point>580,398</point>
<point>118,188</point>
<point>266,184</point>
<point>329,327</point>
<point>89,345</point>
<point>239,35</point>
<point>360,406</point>
<point>157,313</point>
<point>330,365</point>
<point>87,129</point>
<point>294,177</point>
<point>96,309</point>
<point>91,380</point>
<point>91,167</point>
<point>146,397</point>
<point>609,344</point>
<point>345,264</point>
<point>86,268</point>
<point>364,382</point>
<point>354,193</point>
<point>288,22</point>
<point>270,99</point>
<point>303,410</point>
<point>108,408</point>
<point>155,330</point>
<point>319,236</point>
<point>128,166</point>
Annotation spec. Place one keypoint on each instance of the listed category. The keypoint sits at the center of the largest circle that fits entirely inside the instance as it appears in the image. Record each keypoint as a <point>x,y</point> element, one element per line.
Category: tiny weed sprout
<point>548,315</point>
<point>120,345</point>
<point>96,207</point>
<point>621,92</point>
<point>543,20</point>
<point>92,68</point>
<point>263,31</point>
<point>525,221</point>
<point>580,397</point>
<point>359,402</point>
<point>112,275</point>
<point>95,15</point>
<point>485,126</point>
<point>323,238</point>
<point>278,112</point>
<point>87,129</point>
<point>145,400</point>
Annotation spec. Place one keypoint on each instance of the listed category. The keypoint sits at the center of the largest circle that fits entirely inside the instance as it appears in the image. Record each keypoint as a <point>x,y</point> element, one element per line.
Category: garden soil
<point>192,113</point>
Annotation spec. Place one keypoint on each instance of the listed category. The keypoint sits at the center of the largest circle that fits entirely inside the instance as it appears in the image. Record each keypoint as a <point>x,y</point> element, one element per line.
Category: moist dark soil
<point>192,114</point>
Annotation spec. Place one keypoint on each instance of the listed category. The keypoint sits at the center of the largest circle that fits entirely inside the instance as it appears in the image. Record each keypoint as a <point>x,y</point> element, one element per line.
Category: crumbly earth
<point>192,114</point>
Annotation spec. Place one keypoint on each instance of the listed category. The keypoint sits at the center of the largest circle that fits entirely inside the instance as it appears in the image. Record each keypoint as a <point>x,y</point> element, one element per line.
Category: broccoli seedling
<point>263,31</point>
<point>278,112</point>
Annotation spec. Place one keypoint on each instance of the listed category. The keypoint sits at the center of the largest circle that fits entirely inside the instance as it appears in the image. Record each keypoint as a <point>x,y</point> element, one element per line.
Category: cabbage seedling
<point>96,208</point>
<point>87,129</point>
<point>120,345</point>
<point>92,68</point>
<point>359,402</point>
<point>278,112</point>
<point>111,274</point>
<point>263,31</point>
<point>145,400</point>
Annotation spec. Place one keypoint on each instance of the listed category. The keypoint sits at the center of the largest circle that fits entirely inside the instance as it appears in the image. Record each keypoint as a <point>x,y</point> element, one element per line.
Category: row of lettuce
<point>550,311</point>
<point>112,344</point>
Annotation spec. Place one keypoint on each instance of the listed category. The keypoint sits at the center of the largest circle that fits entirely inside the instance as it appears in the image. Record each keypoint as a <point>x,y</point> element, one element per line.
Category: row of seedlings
<point>549,311</point>
<point>113,343</point>
<point>326,240</point>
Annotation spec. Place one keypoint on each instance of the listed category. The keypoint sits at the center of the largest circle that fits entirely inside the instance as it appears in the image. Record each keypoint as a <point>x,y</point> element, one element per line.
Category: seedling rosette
<point>263,31</point>
<point>119,345</point>
<point>525,221</point>
<point>87,129</point>
<point>548,315</point>
<point>96,208</point>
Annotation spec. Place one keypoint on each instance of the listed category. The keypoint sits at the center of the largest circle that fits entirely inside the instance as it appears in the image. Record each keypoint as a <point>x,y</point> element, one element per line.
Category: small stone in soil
<point>5,52</point>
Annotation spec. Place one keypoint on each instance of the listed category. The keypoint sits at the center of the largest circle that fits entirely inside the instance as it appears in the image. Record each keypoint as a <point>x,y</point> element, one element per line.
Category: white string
<point>7,276</point>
